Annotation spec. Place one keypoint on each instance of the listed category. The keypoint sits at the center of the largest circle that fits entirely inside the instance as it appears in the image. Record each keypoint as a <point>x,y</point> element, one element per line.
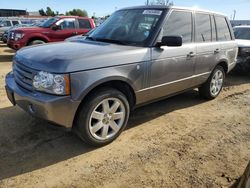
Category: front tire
<point>36,42</point>
<point>213,86</point>
<point>102,117</point>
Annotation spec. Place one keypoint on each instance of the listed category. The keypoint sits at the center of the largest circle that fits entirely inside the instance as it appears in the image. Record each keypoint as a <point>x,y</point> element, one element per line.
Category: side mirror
<point>56,27</point>
<point>173,41</point>
<point>1,25</point>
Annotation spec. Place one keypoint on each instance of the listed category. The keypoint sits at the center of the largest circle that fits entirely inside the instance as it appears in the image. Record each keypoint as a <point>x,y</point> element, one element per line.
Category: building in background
<point>12,12</point>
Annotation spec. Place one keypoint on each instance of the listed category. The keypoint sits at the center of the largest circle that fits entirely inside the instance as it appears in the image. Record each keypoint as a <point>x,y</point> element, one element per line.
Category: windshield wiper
<point>112,41</point>
<point>90,38</point>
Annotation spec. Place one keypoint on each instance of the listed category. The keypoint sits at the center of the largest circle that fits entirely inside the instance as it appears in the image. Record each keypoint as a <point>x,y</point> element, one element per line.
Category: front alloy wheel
<point>102,117</point>
<point>107,118</point>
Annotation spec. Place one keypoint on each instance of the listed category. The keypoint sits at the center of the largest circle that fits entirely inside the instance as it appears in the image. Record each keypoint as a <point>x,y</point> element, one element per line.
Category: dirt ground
<point>183,141</point>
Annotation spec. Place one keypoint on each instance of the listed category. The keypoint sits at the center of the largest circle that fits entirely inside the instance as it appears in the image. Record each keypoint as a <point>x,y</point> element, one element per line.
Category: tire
<point>213,86</point>
<point>36,42</point>
<point>103,117</point>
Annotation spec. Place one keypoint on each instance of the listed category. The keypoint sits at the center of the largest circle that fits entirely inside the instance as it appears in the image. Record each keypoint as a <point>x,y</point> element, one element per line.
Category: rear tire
<point>36,42</point>
<point>103,117</point>
<point>213,86</point>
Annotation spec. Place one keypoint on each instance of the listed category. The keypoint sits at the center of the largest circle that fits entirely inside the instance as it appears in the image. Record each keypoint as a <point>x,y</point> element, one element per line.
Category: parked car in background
<point>7,33</point>
<point>6,24</point>
<point>139,55</point>
<point>53,30</point>
<point>242,35</point>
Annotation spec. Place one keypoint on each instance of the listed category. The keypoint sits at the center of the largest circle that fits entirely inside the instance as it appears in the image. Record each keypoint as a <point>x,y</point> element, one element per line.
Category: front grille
<point>23,75</point>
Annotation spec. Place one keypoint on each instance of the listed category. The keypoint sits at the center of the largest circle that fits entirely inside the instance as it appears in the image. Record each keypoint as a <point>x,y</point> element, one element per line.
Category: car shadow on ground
<point>6,58</point>
<point>28,144</point>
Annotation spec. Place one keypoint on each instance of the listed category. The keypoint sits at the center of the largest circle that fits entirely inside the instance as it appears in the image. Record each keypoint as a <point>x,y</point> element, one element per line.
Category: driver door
<point>67,28</point>
<point>172,68</point>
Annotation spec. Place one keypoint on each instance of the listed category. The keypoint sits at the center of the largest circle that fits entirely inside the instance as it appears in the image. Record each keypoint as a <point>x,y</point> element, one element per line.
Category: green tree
<point>42,12</point>
<point>77,12</point>
<point>50,12</point>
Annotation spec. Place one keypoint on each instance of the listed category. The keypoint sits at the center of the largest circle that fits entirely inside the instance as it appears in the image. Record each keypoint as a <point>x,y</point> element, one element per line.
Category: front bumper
<point>60,110</point>
<point>15,45</point>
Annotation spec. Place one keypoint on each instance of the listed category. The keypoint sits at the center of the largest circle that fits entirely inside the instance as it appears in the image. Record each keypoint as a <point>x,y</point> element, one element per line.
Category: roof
<point>242,26</point>
<point>172,7</point>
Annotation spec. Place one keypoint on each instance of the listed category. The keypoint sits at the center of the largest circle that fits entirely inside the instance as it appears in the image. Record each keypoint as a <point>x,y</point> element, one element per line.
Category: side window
<point>222,29</point>
<point>179,23</point>
<point>67,24</point>
<point>84,24</point>
<point>15,22</point>
<point>203,28</point>
<point>6,23</point>
<point>213,29</point>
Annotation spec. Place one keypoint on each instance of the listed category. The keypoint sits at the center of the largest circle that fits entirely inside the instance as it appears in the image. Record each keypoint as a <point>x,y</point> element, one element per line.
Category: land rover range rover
<point>139,55</point>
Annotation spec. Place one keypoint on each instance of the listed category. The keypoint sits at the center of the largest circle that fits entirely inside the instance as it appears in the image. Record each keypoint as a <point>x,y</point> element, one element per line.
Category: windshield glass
<point>128,27</point>
<point>49,22</point>
<point>242,33</point>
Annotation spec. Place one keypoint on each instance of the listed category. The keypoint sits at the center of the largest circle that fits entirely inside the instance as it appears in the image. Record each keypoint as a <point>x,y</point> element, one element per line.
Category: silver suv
<point>139,55</point>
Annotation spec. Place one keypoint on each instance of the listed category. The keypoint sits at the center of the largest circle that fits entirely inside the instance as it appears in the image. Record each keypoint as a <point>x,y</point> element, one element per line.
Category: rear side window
<point>84,24</point>
<point>222,29</point>
<point>203,28</point>
<point>15,22</point>
<point>179,23</point>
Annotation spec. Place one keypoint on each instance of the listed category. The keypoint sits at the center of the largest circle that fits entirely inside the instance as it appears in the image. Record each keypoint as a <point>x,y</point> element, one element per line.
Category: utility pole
<point>234,15</point>
<point>147,2</point>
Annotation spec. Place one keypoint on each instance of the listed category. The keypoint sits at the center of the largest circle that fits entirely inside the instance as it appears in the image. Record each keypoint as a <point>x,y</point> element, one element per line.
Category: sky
<point>105,7</point>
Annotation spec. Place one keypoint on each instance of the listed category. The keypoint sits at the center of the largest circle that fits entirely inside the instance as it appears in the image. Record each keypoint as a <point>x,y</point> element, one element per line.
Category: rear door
<point>67,29</point>
<point>225,36</point>
<point>208,48</point>
<point>84,26</point>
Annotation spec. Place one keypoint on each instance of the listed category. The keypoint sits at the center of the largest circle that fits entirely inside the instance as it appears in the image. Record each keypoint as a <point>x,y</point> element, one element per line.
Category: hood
<point>243,43</point>
<point>66,57</point>
<point>30,29</point>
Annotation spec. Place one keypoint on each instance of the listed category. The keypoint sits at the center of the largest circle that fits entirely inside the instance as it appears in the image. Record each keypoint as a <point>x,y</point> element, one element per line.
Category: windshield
<point>128,27</point>
<point>48,22</point>
<point>242,33</point>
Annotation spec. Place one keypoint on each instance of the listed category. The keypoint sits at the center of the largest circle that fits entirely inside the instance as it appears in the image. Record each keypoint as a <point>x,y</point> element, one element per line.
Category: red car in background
<point>54,29</point>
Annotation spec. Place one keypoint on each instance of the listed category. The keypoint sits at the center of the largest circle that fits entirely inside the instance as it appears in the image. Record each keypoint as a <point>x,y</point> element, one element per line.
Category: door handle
<point>191,54</point>
<point>217,51</point>
<point>74,33</point>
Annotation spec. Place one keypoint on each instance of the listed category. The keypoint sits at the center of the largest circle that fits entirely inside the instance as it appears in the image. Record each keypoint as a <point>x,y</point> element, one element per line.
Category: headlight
<point>245,50</point>
<point>58,84</point>
<point>18,36</point>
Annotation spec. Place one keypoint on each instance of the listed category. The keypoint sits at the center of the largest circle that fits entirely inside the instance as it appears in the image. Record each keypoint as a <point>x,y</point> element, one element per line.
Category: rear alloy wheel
<point>102,117</point>
<point>212,88</point>
<point>36,42</point>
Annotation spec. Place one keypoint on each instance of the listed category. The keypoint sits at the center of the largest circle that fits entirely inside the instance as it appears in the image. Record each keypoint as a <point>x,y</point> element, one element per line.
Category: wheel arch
<point>120,84</point>
<point>37,38</point>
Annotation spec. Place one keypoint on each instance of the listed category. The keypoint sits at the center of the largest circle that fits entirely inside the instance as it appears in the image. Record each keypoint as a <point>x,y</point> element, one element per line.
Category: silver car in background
<point>139,55</point>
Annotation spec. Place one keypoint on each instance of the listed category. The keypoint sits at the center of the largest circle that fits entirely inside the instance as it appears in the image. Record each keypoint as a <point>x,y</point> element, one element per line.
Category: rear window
<point>242,33</point>
<point>179,23</point>
<point>203,28</point>
<point>223,31</point>
<point>84,24</point>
